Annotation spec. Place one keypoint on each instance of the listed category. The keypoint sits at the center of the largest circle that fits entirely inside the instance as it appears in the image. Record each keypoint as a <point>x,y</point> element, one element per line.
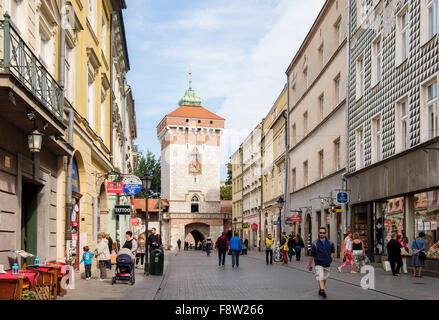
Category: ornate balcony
<point>18,60</point>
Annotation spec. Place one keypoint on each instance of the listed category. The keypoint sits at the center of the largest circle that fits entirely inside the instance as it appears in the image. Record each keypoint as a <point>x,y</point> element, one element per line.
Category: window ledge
<point>401,63</point>
<point>428,41</point>
<point>359,98</point>
<point>375,84</point>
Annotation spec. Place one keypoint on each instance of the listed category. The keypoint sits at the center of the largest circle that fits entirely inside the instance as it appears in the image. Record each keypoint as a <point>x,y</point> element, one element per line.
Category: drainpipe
<point>348,71</point>
<point>69,203</point>
<point>111,87</point>
<point>286,116</point>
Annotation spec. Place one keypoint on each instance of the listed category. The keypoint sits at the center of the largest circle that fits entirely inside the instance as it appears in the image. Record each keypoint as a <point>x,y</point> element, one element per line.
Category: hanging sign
<point>114,187</point>
<point>295,218</point>
<point>386,224</point>
<point>132,185</point>
<point>122,210</point>
<point>433,224</point>
<point>342,197</point>
<point>254,226</point>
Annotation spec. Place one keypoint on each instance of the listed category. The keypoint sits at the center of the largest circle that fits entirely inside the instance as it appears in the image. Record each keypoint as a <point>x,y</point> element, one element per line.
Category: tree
<point>148,164</point>
<point>226,192</point>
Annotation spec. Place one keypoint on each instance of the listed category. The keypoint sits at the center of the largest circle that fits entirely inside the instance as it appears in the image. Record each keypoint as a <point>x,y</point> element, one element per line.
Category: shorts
<point>322,273</point>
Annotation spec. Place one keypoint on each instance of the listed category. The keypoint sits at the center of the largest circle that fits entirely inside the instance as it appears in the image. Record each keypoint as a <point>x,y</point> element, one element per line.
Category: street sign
<point>122,210</point>
<point>115,187</point>
<point>386,224</point>
<point>254,226</point>
<point>342,197</point>
<point>132,185</point>
<point>159,205</point>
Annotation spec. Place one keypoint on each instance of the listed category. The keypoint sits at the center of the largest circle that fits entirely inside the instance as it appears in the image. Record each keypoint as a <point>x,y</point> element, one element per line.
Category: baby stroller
<point>124,267</point>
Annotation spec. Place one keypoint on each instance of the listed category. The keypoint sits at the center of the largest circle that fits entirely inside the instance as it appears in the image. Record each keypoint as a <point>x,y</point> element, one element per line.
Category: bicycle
<point>277,254</point>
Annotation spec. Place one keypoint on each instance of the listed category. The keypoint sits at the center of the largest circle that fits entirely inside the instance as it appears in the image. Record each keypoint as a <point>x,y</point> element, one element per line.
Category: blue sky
<point>238,51</point>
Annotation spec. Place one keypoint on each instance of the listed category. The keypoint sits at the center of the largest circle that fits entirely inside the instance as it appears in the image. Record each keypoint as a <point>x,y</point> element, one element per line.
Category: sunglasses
<point>322,232</point>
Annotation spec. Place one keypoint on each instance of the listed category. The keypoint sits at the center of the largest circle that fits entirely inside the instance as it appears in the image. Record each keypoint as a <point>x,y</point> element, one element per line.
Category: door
<point>29,219</point>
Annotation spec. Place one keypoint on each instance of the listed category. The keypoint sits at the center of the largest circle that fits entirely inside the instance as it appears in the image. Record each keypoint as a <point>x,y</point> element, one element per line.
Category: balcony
<point>19,61</point>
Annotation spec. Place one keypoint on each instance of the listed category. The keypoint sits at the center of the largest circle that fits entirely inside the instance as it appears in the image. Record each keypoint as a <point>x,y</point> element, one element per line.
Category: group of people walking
<point>290,246</point>
<point>105,249</point>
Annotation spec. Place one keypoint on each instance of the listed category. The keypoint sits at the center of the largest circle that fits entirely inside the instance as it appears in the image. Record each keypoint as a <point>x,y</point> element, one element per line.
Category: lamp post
<point>146,181</point>
<point>280,203</point>
<point>34,140</point>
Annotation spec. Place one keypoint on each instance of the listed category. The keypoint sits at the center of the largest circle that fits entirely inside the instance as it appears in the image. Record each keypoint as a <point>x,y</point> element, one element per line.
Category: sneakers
<point>87,278</point>
<point>101,279</point>
<point>339,269</point>
<point>322,293</point>
<point>352,271</point>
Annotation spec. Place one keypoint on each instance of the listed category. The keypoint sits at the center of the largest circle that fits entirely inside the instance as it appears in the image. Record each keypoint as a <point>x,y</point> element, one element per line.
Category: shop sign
<point>254,226</point>
<point>427,226</point>
<point>433,224</point>
<point>386,224</point>
<point>132,185</point>
<point>420,225</point>
<point>295,219</point>
<point>114,187</point>
<point>122,210</point>
<point>342,197</point>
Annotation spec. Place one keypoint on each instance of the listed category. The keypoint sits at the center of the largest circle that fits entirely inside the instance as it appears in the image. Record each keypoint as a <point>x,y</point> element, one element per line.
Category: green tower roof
<point>190,99</point>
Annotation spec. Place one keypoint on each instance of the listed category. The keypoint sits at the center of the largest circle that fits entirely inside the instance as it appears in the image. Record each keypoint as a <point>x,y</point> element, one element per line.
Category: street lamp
<point>280,203</point>
<point>34,140</point>
<point>146,181</point>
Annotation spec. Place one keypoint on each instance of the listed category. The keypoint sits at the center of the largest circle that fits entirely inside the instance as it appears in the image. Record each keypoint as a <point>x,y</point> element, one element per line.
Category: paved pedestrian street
<point>193,276</point>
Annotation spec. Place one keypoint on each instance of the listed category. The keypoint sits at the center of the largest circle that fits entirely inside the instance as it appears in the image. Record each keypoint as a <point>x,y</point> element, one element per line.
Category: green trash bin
<point>156,261</point>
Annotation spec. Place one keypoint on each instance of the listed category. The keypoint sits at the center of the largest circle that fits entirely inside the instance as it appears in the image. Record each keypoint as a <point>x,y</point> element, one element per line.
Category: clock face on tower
<point>194,162</point>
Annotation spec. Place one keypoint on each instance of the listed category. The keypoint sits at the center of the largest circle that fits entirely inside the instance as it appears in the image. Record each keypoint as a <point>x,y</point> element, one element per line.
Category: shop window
<point>426,218</point>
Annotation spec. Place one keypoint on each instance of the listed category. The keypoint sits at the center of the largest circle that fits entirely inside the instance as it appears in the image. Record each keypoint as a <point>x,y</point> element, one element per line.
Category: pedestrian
<point>141,250</point>
<point>418,256</point>
<point>346,253</point>
<point>269,241</point>
<point>244,251</point>
<point>155,240</point>
<point>86,258</point>
<point>208,245</point>
<point>186,245</point>
<point>357,251</point>
<point>284,247</point>
<point>322,251</point>
<point>179,244</point>
<point>394,254</point>
<point>222,244</point>
<point>235,248</point>
<point>102,254</point>
<point>291,252</point>
<point>130,242</point>
<point>404,252</point>
<point>110,248</point>
<point>298,245</point>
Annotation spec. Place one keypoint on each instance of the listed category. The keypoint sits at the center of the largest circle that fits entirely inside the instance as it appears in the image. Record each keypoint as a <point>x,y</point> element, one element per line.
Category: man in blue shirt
<point>322,252</point>
<point>235,248</point>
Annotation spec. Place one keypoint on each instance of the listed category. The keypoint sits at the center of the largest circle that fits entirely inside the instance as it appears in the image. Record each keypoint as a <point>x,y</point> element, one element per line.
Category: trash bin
<point>156,262</point>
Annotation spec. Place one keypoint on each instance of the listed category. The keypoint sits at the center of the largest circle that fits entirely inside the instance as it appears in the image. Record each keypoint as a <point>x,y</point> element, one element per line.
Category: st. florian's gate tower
<point>190,172</point>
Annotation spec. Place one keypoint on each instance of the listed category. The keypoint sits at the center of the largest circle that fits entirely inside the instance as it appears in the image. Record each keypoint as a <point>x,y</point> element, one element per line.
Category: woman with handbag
<point>357,251</point>
<point>419,256</point>
<point>404,252</point>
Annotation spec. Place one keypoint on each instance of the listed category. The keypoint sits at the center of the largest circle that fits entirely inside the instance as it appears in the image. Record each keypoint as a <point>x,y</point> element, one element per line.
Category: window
<point>294,94</point>
<point>294,134</point>
<point>305,123</point>
<point>337,90</point>
<point>305,173</point>
<point>360,77</point>
<point>272,184</point>
<point>364,9</point>
<point>70,74</point>
<point>104,35</point>
<point>432,17</point>
<point>402,36</point>
<point>195,202</point>
<point>402,139</point>
<point>294,180</point>
<point>377,139</point>
<point>321,104</point>
<point>321,168</point>
<point>305,78</point>
<point>15,9</point>
<point>279,178</point>
<point>321,57</point>
<point>338,38</point>
<point>91,97</point>
<point>432,110</point>
<point>44,43</point>
<point>376,67</point>
<point>266,186</point>
<point>279,145</point>
<point>337,155</point>
<point>92,14</point>
<point>360,149</point>
<point>103,118</point>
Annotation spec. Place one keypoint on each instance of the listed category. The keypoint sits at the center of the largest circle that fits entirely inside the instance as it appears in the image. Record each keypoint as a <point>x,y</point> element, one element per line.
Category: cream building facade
<point>317,96</point>
<point>237,208</point>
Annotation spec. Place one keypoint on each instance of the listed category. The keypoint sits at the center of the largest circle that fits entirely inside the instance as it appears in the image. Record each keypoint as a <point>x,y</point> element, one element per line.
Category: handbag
<point>386,266</point>
<point>422,255</point>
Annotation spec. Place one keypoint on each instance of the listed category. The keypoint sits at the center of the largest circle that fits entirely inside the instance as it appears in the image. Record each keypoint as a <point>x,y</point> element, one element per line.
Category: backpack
<point>222,244</point>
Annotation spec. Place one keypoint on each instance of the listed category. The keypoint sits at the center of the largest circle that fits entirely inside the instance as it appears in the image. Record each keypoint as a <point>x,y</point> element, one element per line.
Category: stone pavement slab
<point>191,275</point>
<point>405,287</point>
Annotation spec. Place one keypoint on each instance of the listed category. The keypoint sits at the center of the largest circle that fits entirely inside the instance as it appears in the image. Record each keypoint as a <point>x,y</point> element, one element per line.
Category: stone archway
<point>198,231</point>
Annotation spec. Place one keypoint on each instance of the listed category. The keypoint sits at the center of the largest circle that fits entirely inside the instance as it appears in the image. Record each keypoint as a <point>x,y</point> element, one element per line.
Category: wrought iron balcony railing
<point>19,60</point>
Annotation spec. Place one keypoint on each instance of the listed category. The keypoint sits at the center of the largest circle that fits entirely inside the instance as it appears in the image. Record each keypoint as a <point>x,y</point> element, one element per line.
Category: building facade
<point>237,208</point>
<point>190,137</point>
<point>316,80</point>
<point>393,122</point>
<point>273,163</point>
<point>251,195</point>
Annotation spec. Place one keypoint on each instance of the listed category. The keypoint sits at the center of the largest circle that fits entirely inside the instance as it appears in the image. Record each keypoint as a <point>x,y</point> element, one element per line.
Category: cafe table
<point>29,275</point>
<point>52,268</point>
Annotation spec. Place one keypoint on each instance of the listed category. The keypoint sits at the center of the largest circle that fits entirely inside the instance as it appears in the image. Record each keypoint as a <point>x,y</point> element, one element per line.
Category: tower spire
<point>189,98</point>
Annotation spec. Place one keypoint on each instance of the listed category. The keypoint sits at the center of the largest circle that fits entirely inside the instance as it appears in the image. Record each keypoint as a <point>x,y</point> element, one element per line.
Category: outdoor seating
<point>11,289</point>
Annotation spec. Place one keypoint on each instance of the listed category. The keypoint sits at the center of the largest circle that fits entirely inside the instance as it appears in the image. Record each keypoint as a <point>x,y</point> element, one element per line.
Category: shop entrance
<point>29,219</point>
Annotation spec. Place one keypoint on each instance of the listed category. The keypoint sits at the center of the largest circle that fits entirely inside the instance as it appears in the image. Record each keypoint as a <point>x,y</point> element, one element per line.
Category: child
<point>86,257</point>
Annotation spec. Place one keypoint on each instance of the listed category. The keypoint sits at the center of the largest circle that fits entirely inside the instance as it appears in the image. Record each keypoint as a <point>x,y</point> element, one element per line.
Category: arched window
<point>195,203</point>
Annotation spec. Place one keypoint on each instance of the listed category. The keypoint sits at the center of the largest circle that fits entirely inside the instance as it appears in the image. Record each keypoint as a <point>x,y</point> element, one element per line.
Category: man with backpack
<point>222,244</point>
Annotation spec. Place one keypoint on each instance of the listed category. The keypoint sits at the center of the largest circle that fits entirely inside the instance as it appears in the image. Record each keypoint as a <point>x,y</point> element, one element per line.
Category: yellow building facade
<point>273,163</point>
<point>237,208</point>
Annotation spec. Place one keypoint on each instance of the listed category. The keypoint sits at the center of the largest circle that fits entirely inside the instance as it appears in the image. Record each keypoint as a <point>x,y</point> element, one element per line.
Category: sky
<point>238,52</point>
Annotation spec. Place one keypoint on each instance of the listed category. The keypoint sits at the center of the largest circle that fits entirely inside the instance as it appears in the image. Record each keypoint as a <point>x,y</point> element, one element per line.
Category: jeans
<point>109,264</point>
<point>298,251</point>
<point>269,253</point>
<point>221,254</point>
<point>290,254</point>
<point>235,256</point>
<point>87,270</point>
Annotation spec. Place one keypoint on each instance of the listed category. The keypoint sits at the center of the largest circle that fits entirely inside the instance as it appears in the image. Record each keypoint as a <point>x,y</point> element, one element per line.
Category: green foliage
<point>29,295</point>
<point>149,164</point>
<point>229,175</point>
<point>226,193</point>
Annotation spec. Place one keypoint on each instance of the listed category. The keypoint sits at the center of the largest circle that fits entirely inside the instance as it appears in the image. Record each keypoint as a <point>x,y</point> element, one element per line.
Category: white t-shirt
<point>348,245</point>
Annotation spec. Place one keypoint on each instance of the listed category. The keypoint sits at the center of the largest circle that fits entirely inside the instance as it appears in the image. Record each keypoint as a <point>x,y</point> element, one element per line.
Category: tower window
<point>195,204</point>
<point>199,121</point>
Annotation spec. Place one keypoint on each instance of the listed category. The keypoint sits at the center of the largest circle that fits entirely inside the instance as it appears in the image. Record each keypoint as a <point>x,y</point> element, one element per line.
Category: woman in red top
<point>404,252</point>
